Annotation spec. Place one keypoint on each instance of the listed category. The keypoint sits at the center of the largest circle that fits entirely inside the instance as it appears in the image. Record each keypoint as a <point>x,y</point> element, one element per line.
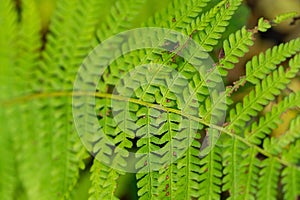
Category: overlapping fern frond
<point>188,140</point>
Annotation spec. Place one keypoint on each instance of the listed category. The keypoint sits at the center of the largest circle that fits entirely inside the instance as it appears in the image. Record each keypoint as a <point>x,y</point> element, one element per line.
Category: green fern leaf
<point>211,173</point>
<point>233,180</point>
<point>263,94</point>
<point>271,119</point>
<point>269,177</point>
<point>260,66</point>
<point>210,35</point>
<point>236,46</point>
<point>291,178</point>
<point>103,182</point>
<point>291,182</point>
<point>277,145</point>
<point>250,167</point>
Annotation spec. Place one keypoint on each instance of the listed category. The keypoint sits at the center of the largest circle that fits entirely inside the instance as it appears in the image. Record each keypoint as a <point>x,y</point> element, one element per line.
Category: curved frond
<point>259,130</point>
<point>260,66</point>
<point>277,145</point>
<point>263,93</point>
<point>235,47</point>
<point>212,33</point>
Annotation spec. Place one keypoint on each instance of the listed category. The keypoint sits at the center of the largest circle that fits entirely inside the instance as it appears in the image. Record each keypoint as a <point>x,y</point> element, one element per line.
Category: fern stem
<point>150,105</point>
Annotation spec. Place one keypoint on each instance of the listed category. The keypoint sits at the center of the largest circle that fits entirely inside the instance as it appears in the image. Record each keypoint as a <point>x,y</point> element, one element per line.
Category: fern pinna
<point>188,140</point>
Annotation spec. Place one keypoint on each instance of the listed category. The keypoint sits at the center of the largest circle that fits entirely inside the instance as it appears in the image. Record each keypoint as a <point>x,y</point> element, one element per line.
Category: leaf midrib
<point>30,97</point>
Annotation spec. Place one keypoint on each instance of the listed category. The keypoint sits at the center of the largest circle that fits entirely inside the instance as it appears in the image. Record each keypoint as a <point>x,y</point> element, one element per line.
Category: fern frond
<point>168,175</point>
<point>268,180</point>
<point>104,175</point>
<point>212,33</point>
<point>167,181</point>
<point>203,21</point>
<point>185,13</point>
<point>291,183</point>
<point>180,177</point>
<point>270,166</point>
<point>215,109</point>
<point>211,174</point>
<point>262,95</point>
<point>245,39</point>
<point>283,17</point>
<point>164,125</point>
<point>259,130</point>
<point>156,125</point>
<point>238,44</point>
<point>235,47</point>
<point>277,145</point>
<point>144,182</point>
<point>263,25</point>
<point>103,180</point>
<point>147,184</point>
<point>250,168</point>
<point>220,22</point>
<point>260,66</point>
<point>188,165</point>
<point>120,130</point>
<point>291,154</point>
<point>224,13</point>
<point>290,175</point>
<point>113,25</point>
<point>233,177</point>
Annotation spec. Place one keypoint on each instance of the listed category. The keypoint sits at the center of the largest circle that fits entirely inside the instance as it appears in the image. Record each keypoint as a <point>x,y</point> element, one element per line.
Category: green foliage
<point>42,156</point>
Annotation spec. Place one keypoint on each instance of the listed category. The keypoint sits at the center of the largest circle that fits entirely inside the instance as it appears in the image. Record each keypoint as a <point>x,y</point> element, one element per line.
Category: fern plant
<point>165,121</point>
